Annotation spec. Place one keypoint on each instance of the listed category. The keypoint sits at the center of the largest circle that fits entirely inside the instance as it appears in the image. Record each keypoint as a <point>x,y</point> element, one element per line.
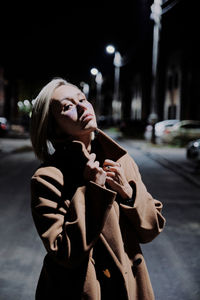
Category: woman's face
<point>74,115</point>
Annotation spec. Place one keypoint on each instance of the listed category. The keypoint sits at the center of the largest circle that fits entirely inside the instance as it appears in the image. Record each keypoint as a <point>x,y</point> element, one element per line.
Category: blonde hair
<point>41,119</point>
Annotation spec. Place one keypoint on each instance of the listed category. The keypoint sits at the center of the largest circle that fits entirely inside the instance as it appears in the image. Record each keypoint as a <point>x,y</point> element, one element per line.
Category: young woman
<point>89,204</point>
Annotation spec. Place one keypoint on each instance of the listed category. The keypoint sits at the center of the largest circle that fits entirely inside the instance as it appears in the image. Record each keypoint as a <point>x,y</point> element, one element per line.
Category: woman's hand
<point>93,172</point>
<point>116,179</point>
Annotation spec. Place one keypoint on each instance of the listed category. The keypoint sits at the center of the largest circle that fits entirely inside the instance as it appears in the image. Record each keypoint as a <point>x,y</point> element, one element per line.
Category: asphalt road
<point>173,258</point>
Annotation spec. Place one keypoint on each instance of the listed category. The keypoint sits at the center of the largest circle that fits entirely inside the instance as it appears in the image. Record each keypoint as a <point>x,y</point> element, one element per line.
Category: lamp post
<point>117,62</point>
<point>86,88</point>
<point>156,13</point>
<point>99,81</point>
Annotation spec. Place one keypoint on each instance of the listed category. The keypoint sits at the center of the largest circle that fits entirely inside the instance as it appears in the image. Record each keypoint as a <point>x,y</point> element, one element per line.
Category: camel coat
<point>92,235</point>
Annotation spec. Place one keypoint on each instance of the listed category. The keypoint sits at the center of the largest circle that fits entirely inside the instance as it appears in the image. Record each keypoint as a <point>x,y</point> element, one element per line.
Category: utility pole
<point>85,88</point>
<point>116,101</point>
<point>99,81</point>
<point>116,104</point>
<point>156,12</point>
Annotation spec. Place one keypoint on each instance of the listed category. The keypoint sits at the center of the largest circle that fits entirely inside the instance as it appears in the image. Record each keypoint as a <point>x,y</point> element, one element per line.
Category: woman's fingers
<point>95,165</point>
<point>92,157</point>
<point>124,189</point>
<point>91,162</point>
<point>109,162</point>
<point>93,171</point>
<point>111,169</point>
<point>110,174</point>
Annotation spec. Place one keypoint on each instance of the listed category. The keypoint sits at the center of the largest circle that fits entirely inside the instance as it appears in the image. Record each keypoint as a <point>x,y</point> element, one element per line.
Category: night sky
<point>66,38</point>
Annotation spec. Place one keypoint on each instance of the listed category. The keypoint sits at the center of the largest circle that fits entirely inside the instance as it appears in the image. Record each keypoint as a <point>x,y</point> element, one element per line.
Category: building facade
<point>178,70</point>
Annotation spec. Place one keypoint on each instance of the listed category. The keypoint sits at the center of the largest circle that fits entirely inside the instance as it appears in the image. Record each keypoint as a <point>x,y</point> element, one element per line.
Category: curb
<point>9,146</point>
<point>176,168</point>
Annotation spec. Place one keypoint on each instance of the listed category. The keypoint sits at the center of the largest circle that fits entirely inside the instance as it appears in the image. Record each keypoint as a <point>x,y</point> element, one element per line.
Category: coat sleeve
<point>146,213</point>
<point>68,227</point>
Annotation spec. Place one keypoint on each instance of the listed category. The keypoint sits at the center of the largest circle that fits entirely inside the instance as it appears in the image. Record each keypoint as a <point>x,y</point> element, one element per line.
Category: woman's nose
<point>81,107</point>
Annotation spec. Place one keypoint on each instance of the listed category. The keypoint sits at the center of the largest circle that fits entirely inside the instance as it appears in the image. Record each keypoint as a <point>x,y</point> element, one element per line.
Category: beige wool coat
<point>91,235</point>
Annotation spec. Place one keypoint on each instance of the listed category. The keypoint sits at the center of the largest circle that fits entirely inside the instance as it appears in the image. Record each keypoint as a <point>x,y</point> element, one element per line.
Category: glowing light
<point>196,144</point>
<point>33,101</point>
<point>20,104</point>
<point>94,71</point>
<point>110,49</point>
<point>26,103</point>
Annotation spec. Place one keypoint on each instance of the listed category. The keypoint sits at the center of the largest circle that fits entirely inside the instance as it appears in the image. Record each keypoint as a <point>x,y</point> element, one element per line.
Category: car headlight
<point>196,144</point>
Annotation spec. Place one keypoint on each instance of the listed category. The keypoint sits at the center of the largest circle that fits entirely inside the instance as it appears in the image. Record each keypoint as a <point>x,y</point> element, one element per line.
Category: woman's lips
<point>87,117</point>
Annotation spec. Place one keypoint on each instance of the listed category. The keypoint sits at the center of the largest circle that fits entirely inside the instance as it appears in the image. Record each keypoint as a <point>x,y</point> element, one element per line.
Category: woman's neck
<point>86,140</point>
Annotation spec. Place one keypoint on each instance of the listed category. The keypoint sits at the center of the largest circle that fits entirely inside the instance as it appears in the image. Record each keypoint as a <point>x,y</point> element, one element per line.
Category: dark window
<point>172,112</point>
<point>191,126</point>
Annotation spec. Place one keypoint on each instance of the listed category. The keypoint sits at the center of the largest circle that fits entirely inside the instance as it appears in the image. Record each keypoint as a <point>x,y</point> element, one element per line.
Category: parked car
<point>182,132</point>
<point>4,126</point>
<point>160,127</point>
<point>193,151</point>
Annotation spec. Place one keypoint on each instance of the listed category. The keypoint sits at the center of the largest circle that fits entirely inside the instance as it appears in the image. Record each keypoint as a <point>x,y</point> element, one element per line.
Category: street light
<point>99,80</point>
<point>94,71</point>
<point>117,62</point>
<point>110,49</point>
<point>156,12</point>
<point>86,88</point>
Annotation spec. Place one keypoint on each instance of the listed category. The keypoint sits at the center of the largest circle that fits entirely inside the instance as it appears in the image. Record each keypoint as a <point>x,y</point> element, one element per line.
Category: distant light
<point>196,144</point>
<point>26,103</point>
<point>20,104</point>
<point>99,78</point>
<point>85,87</point>
<point>94,71</point>
<point>33,101</point>
<point>110,49</point>
<point>117,59</point>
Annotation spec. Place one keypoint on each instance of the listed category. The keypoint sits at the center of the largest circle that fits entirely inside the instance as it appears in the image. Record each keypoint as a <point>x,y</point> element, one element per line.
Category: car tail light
<point>3,126</point>
<point>166,131</point>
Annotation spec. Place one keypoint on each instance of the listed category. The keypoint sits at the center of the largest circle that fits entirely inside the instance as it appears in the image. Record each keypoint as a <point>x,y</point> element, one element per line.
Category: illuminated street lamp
<point>117,62</point>
<point>94,71</point>
<point>110,49</point>
<point>85,88</point>
<point>99,80</point>
<point>156,12</point>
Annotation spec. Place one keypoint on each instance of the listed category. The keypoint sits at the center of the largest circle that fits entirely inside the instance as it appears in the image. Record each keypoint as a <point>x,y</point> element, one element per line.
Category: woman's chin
<point>90,126</point>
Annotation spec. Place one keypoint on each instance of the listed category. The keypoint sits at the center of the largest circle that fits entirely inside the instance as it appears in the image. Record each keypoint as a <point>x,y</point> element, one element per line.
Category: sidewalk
<point>173,158</point>
<point>170,157</point>
<point>13,145</point>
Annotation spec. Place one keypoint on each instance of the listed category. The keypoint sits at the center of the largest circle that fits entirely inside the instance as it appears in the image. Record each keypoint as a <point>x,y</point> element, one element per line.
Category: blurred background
<point>149,72</point>
<point>138,63</point>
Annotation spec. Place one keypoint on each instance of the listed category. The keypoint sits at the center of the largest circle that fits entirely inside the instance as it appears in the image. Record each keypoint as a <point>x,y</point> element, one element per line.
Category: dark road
<point>173,258</point>
<point>21,251</point>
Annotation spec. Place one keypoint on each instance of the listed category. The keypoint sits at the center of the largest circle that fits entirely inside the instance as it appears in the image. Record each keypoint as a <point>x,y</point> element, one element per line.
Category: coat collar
<point>76,154</point>
<point>111,150</point>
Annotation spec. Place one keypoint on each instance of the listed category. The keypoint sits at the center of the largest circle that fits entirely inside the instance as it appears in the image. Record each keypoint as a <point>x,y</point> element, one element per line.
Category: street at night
<point>172,258</point>
<point>133,70</point>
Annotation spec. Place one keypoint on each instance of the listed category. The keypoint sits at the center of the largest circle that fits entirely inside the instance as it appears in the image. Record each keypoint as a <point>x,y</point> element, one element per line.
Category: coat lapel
<point>111,236</point>
<point>111,150</point>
